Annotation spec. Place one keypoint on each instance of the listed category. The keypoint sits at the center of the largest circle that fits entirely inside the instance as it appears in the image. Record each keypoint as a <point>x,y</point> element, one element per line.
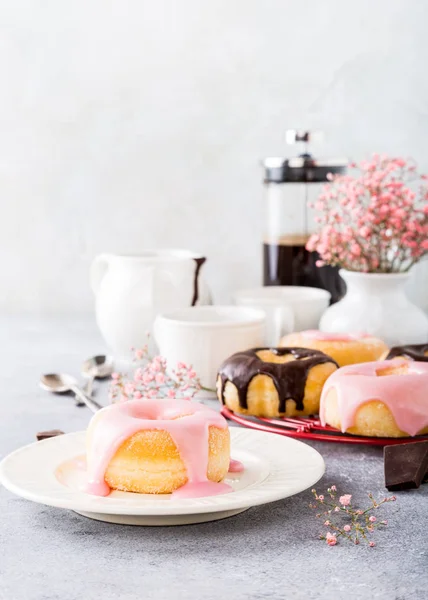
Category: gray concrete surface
<point>270,552</point>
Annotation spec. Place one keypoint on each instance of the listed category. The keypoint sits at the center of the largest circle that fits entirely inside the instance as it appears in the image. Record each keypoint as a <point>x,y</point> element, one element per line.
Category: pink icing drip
<point>405,395</point>
<point>314,334</point>
<point>116,423</point>
<point>235,466</point>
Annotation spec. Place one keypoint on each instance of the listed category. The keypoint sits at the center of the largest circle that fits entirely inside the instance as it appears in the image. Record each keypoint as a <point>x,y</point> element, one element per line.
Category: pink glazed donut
<point>344,348</point>
<point>157,447</point>
<point>377,399</point>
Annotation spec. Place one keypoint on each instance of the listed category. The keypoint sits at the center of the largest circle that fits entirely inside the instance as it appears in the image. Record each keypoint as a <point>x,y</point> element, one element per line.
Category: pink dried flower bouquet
<point>152,379</point>
<point>360,523</point>
<point>376,222</point>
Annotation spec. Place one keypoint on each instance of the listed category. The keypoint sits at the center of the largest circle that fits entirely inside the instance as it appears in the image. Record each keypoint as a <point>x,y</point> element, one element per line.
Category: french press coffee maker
<point>292,185</point>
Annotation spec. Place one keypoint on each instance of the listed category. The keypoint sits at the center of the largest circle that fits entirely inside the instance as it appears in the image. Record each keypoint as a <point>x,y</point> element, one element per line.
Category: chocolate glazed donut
<point>413,351</point>
<point>289,378</point>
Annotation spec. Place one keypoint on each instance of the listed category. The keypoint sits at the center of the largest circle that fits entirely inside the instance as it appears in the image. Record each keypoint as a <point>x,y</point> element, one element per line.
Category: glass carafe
<point>291,186</point>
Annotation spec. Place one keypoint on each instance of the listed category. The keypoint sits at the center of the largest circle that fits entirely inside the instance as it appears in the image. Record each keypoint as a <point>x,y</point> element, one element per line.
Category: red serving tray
<point>310,428</point>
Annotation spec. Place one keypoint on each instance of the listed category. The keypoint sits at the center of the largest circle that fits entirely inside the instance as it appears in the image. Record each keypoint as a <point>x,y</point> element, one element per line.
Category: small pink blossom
<point>139,353</point>
<point>171,394</point>
<point>372,519</point>
<point>372,544</point>
<point>355,250</point>
<point>364,232</point>
<point>138,395</point>
<point>337,509</point>
<point>129,388</point>
<point>345,500</point>
<point>346,528</point>
<point>330,539</point>
<point>333,488</point>
<point>321,498</point>
<point>156,364</point>
<point>327,523</point>
<point>160,378</point>
<point>147,378</point>
<point>138,375</point>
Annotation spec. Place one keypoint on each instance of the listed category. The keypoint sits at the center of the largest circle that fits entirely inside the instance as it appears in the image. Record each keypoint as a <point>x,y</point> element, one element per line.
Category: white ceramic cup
<point>204,336</point>
<point>279,316</point>
<point>287,308</point>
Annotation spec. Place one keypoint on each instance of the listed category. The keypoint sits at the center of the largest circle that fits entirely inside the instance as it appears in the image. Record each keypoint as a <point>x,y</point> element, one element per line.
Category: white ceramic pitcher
<point>131,290</point>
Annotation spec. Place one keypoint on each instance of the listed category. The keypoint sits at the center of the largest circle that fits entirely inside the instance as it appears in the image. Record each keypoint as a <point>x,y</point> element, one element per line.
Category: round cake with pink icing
<point>158,447</point>
<point>377,399</point>
<point>344,348</point>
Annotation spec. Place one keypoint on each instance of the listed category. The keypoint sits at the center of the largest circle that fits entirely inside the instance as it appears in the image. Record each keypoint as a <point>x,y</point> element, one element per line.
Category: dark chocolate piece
<point>289,378</point>
<point>406,465</point>
<point>44,435</point>
<point>412,351</point>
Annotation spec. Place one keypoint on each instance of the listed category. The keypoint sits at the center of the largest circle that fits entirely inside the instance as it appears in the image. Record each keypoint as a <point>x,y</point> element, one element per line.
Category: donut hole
<point>156,412</point>
<point>271,357</point>
<point>402,369</point>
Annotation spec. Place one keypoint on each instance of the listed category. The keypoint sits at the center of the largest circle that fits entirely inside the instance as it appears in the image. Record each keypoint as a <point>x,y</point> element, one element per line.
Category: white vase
<point>417,285</point>
<point>377,304</point>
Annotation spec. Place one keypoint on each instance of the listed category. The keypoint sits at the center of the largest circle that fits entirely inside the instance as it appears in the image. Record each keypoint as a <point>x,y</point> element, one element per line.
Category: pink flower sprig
<point>361,523</point>
<point>374,222</point>
<point>152,379</point>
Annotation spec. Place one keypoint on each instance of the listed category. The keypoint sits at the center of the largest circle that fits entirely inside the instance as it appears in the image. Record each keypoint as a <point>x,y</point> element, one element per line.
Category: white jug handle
<point>283,322</point>
<point>99,268</point>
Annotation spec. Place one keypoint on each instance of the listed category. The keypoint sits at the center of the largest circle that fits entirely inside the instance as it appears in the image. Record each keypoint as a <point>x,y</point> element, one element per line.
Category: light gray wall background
<point>134,124</point>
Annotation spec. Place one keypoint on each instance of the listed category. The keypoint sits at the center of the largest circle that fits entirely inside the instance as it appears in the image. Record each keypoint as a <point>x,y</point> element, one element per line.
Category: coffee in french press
<point>292,184</point>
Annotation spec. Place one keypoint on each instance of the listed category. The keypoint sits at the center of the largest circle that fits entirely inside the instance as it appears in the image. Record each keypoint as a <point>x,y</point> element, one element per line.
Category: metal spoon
<point>61,383</point>
<point>96,367</point>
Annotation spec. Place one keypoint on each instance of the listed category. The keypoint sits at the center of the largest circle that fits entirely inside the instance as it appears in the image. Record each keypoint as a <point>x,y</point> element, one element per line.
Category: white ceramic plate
<point>275,467</point>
